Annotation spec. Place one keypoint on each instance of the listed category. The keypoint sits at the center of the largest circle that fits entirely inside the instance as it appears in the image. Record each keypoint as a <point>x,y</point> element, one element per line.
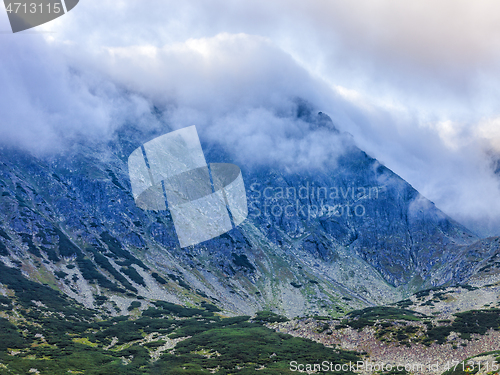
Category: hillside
<point>435,331</point>
<point>327,240</point>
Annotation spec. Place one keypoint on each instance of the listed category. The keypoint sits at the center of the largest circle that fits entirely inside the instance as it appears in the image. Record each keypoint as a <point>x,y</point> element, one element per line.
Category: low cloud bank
<point>421,103</point>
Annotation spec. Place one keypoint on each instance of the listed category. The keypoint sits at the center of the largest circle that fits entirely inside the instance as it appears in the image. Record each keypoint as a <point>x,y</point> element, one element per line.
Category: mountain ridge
<point>75,215</point>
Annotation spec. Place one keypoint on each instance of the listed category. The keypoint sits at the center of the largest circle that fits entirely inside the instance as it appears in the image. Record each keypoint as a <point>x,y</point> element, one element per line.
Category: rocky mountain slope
<point>321,241</point>
<point>445,330</point>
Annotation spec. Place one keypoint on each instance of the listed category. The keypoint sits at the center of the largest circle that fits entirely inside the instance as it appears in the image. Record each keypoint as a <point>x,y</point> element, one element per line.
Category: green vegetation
<point>250,347</point>
<point>4,234</point>
<point>66,247</point>
<point>51,253</point>
<point>466,323</point>
<point>116,248</point>
<point>395,333</point>
<point>179,279</point>
<point>134,305</point>
<point>3,249</point>
<point>427,292</point>
<point>358,319</point>
<point>58,336</point>
<point>404,304</point>
<point>158,278</point>
<point>27,291</point>
<point>9,336</point>
<point>388,313</point>
<point>209,307</point>
<point>114,180</point>
<point>31,246</point>
<point>243,262</point>
<point>86,266</point>
<point>395,325</point>
<point>103,262</point>
<point>394,372</point>
<point>100,299</point>
<point>269,317</point>
<point>60,274</point>
<point>90,273</point>
<point>5,303</point>
<point>134,275</point>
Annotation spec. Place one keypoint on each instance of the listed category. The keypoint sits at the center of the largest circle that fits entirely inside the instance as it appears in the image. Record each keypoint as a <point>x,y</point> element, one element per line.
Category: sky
<point>416,84</point>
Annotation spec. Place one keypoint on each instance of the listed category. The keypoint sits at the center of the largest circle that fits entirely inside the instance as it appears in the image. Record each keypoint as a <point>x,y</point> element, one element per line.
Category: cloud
<point>420,51</point>
<point>215,74</point>
<point>236,85</point>
<point>414,83</point>
<point>44,104</point>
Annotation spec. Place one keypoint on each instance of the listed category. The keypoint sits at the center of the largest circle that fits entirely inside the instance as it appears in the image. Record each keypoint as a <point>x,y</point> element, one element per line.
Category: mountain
<point>445,330</point>
<point>44,332</point>
<point>326,240</point>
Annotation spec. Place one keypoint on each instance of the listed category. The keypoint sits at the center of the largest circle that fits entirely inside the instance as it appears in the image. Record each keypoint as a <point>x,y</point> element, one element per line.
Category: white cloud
<point>415,83</point>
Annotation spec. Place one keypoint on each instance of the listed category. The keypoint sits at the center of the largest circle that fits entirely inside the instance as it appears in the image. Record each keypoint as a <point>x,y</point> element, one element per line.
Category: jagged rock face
<point>349,234</point>
<point>376,215</point>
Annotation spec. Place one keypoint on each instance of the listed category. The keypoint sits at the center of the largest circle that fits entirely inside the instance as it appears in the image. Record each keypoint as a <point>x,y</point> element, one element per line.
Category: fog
<point>415,84</point>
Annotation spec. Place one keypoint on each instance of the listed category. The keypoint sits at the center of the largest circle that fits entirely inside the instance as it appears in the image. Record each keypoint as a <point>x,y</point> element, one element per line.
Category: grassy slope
<point>44,330</point>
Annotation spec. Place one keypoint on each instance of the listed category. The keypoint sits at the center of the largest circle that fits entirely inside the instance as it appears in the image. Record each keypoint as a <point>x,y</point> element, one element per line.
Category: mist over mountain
<point>367,135</point>
<point>346,232</point>
<point>330,226</point>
